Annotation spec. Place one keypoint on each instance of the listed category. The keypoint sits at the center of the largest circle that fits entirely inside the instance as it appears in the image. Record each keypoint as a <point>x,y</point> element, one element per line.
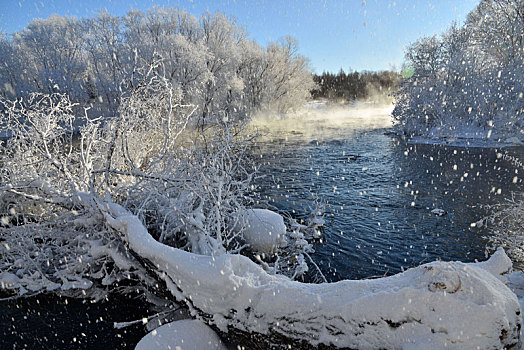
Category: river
<point>379,190</point>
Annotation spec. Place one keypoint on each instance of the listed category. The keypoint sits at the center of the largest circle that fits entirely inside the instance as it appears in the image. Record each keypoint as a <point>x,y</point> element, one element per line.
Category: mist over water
<point>379,191</point>
<point>323,122</point>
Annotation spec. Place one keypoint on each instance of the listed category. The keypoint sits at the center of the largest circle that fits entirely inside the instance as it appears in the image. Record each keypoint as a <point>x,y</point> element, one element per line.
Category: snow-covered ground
<point>467,136</point>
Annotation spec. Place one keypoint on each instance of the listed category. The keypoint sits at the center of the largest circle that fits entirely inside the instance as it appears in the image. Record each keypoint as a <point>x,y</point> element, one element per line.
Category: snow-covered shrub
<point>39,156</point>
<point>59,170</point>
<point>59,165</point>
<point>74,253</point>
<point>214,182</point>
<point>469,81</point>
<point>506,223</point>
<point>52,234</point>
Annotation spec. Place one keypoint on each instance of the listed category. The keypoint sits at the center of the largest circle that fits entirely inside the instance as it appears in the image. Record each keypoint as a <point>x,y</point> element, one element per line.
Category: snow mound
<point>437,305</point>
<point>499,264</point>
<point>183,335</point>
<point>264,230</point>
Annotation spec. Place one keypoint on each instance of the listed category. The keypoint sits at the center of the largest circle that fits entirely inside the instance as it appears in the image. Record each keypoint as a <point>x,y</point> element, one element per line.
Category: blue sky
<point>333,34</point>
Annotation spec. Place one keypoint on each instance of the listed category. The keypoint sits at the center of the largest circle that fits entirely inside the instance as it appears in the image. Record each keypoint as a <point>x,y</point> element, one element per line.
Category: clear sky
<point>333,34</point>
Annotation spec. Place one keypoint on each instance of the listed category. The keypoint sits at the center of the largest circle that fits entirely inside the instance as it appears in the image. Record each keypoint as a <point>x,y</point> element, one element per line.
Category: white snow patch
<point>466,136</point>
<point>183,335</point>
<point>264,230</point>
<point>439,212</point>
<point>499,264</point>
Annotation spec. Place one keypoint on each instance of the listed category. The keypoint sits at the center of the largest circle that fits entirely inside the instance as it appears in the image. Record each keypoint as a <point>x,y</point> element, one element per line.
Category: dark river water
<point>378,193</point>
<point>379,190</point>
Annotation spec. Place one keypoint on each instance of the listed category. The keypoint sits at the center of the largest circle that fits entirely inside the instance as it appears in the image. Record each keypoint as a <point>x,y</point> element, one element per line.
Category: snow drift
<point>436,305</point>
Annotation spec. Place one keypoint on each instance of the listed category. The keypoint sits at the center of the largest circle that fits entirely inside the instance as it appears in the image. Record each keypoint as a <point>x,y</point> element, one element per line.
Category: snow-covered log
<point>436,305</point>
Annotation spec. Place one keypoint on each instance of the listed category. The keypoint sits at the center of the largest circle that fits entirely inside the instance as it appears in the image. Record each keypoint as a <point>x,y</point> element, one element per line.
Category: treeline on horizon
<point>208,59</point>
<point>352,86</point>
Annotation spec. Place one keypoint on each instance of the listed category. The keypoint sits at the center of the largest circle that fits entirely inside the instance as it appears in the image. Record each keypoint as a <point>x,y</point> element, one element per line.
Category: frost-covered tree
<point>173,35</point>
<point>53,56</point>
<point>108,60</point>
<point>498,30</point>
<point>94,60</point>
<point>469,81</point>
<point>222,92</point>
<point>10,83</point>
<point>271,76</point>
<point>287,70</point>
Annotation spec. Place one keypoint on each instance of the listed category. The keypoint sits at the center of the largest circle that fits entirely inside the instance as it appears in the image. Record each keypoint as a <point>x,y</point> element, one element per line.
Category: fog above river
<point>320,121</point>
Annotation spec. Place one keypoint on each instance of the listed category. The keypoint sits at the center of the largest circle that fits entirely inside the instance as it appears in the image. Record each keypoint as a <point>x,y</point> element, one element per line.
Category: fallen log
<point>436,305</point>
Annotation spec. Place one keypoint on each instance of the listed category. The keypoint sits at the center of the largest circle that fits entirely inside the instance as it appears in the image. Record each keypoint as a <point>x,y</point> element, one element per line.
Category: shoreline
<point>459,141</point>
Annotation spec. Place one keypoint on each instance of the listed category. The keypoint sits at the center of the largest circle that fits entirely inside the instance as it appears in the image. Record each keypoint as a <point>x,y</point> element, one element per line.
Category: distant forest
<point>355,85</point>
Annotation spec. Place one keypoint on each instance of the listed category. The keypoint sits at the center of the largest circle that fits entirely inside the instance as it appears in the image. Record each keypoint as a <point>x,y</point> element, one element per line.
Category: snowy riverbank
<point>467,140</point>
<point>461,136</point>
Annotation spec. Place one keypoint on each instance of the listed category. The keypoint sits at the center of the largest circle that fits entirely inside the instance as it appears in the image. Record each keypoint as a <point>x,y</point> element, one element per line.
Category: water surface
<point>380,190</point>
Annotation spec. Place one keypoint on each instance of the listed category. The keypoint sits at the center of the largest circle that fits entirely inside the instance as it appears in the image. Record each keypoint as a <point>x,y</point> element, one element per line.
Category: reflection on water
<point>380,192</point>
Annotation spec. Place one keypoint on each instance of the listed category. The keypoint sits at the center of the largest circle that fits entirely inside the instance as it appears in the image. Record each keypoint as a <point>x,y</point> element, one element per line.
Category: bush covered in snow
<point>506,223</point>
<point>468,82</point>
<point>188,185</point>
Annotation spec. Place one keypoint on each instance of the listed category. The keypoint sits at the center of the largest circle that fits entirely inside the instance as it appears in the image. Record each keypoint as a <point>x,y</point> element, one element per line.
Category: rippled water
<point>380,192</point>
